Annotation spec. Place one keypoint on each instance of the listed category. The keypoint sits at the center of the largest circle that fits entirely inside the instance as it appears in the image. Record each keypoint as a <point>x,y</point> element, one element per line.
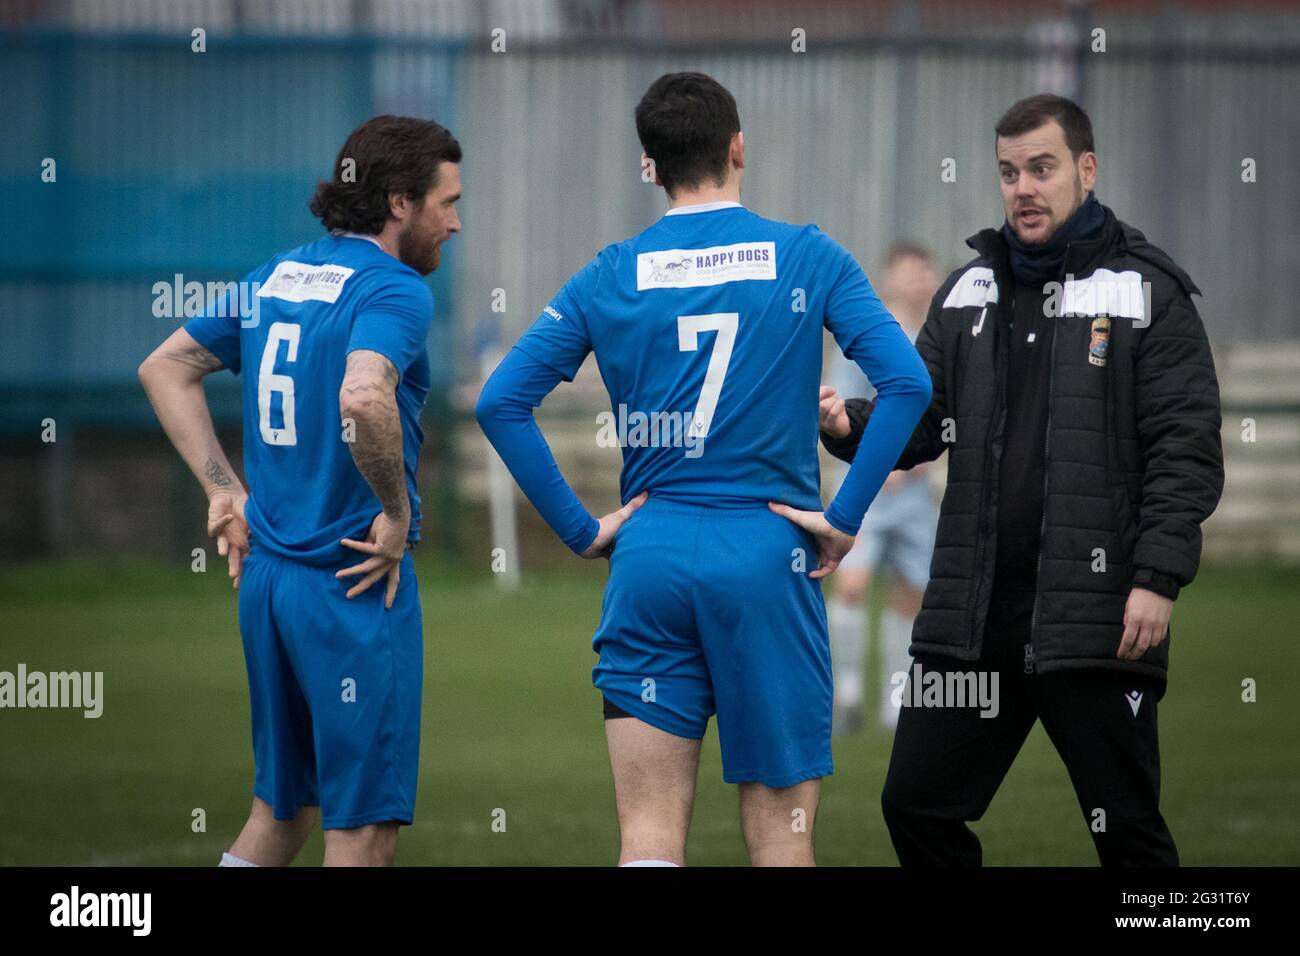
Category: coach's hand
<point>226,523</point>
<point>386,545</point>
<point>833,419</point>
<point>1146,622</point>
<point>832,543</point>
<point>603,546</point>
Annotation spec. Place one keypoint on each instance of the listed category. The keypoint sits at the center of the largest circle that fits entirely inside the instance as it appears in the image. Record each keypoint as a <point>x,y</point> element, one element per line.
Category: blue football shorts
<point>335,690</point>
<point>711,610</point>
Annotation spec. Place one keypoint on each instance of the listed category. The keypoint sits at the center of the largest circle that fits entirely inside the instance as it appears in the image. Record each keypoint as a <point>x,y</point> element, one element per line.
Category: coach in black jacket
<point>1074,387</point>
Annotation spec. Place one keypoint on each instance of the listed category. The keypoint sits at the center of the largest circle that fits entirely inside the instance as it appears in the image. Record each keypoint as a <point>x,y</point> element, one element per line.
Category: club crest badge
<point>1099,341</point>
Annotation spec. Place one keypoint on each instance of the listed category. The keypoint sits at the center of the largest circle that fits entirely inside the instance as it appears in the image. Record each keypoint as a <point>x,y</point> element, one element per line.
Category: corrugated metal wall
<point>552,174</point>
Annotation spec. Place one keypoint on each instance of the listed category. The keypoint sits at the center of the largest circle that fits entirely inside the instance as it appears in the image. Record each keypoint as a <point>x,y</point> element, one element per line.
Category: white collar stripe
<point>702,207</point>
<point>358,235</point>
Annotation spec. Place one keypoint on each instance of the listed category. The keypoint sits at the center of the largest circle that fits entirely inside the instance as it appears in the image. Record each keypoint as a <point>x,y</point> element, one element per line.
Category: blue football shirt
<point>707,330</point>
<point>314,305</point>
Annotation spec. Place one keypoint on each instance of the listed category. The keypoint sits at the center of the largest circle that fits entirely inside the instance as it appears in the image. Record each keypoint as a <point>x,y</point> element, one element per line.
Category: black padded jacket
<point>1133,455</point>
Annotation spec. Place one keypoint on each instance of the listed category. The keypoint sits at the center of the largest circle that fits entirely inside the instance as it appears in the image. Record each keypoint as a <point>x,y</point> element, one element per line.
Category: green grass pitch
<point>512,723</point>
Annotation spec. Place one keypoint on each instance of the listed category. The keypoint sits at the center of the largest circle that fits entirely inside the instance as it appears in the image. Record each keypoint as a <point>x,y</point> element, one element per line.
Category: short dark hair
<point>1033,111</point>
<point>908,249</point>
<point>685,122</point>
<point>389,154</point>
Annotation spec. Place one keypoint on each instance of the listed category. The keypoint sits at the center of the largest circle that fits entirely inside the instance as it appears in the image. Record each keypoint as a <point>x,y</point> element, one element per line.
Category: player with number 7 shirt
<point>707,328</point>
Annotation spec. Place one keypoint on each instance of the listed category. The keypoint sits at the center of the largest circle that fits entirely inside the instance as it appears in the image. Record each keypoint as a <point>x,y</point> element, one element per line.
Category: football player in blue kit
<point>332,344</point>
<point>707,329</point>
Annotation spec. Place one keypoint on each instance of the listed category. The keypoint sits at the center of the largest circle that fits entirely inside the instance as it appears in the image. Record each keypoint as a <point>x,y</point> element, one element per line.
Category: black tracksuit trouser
<point>948,762</point>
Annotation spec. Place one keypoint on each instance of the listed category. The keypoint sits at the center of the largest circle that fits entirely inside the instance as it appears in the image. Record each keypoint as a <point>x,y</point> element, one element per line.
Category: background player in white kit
<point>898,532</point>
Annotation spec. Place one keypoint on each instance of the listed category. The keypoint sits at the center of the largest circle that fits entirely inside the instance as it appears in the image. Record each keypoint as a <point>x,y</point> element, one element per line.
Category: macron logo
<point>975,288</point>
<point>102,909</point>
<point>1134,698</point>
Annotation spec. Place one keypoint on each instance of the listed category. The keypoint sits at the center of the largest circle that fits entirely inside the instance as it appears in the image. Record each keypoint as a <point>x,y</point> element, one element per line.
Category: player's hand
<point>832,543</point>
<point>1146,623</point>
<point>603,546</point>
<point>226,523</point>
<point>832,417</point>
<point>386,545</point>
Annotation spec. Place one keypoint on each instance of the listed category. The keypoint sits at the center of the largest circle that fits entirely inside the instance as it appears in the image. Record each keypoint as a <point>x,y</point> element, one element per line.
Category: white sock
<point>647,863</point>
<point>228,859</point>
<point>896,635</point>
<point>847,624</point>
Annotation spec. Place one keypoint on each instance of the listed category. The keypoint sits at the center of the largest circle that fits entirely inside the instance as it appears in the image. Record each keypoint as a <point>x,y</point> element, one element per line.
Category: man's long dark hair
<point>388,154</point>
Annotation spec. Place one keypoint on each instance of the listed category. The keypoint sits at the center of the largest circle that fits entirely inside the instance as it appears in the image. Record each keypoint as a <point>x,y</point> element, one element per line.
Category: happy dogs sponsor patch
<point>688,268</point>
<point>299,282</point>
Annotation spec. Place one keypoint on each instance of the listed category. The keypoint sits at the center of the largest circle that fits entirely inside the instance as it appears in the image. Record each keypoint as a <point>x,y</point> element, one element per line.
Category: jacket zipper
<point>998,403</point>
<point>1032,646</point>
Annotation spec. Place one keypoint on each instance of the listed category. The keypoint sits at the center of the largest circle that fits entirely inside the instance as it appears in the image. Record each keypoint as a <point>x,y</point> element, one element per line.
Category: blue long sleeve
<point>505,413</point>
<point>903,390</point>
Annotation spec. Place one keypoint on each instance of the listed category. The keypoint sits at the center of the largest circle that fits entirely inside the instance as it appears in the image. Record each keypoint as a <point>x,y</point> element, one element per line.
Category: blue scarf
<point>1037,265</point>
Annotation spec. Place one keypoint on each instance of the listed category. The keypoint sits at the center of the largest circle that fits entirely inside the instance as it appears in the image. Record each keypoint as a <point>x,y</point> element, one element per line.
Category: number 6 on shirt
<point>268,381</point>
<point>689,328</point>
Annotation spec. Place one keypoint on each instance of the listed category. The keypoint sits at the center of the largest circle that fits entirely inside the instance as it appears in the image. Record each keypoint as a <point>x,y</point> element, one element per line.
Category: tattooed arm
<point>172,377</point>
<point>368,399</point>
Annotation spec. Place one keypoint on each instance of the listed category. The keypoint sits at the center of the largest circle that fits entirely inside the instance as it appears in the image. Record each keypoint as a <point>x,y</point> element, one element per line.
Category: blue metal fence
<point>172,162</point>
